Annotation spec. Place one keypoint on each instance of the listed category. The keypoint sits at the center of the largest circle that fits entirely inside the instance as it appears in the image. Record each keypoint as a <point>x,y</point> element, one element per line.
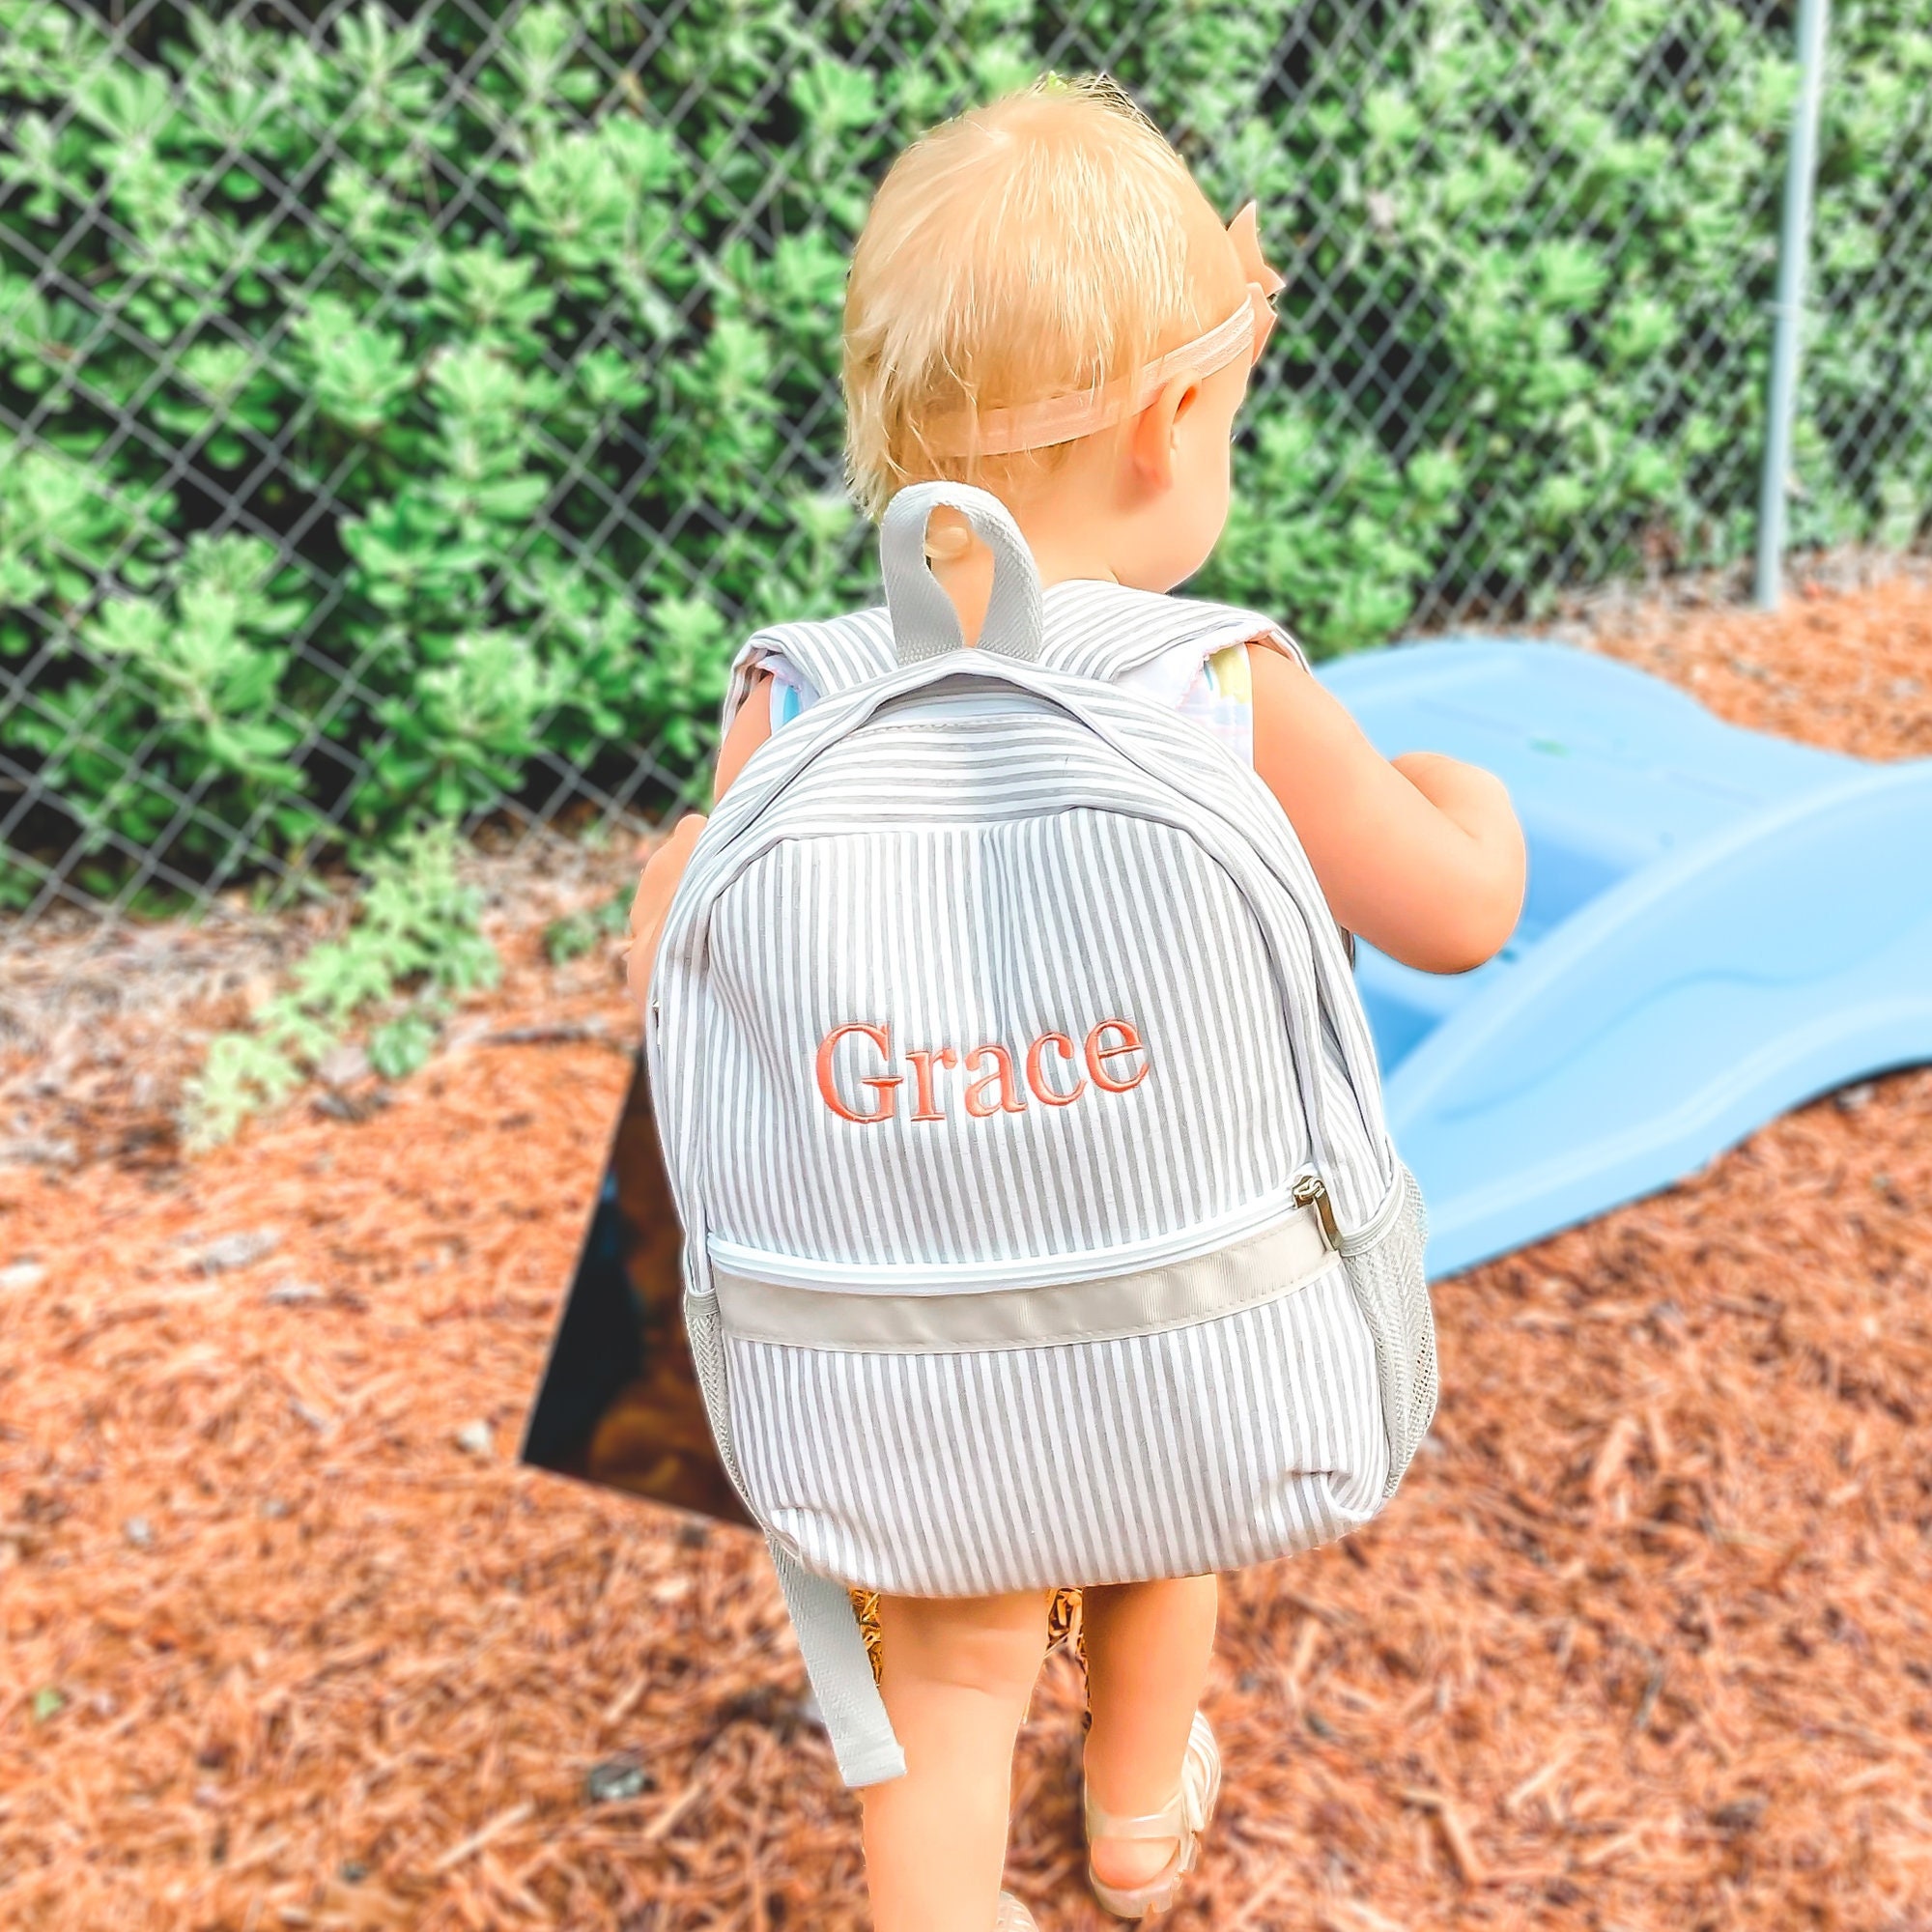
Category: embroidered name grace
<point>860,1081</point>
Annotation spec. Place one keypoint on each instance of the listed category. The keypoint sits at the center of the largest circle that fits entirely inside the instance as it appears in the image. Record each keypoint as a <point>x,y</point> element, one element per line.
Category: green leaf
<point>1391,117</point>
<point>834,96</point>
<point>1570,276</point>
<point>402,1046</point>
<point>358,371</point>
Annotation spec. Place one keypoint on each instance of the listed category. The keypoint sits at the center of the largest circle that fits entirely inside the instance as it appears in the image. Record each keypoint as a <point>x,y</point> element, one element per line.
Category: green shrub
<point>410,413</point>
<point>416,941</point>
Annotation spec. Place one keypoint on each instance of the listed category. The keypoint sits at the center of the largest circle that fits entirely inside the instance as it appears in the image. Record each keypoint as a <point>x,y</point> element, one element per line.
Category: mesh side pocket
<point>704,1331</point>
<point>1392,1292</point>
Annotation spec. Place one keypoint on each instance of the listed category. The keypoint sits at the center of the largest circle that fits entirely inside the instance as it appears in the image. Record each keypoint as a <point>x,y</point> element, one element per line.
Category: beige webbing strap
<point>841,1674</point>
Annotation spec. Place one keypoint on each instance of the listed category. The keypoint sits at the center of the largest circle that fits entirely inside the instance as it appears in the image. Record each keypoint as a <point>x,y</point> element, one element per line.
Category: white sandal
<point>1184,1818</point>
<point>1013,1916</point>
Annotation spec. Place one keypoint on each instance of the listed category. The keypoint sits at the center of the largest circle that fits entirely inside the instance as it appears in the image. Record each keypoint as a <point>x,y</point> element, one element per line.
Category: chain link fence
<point>403,407</point>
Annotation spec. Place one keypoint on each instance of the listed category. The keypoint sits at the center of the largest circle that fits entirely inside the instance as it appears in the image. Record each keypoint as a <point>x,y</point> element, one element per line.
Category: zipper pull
<point>1311,1191</point>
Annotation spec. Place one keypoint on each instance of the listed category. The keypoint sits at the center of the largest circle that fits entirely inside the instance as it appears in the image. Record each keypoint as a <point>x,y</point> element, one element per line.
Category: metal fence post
<point>1793,246</point>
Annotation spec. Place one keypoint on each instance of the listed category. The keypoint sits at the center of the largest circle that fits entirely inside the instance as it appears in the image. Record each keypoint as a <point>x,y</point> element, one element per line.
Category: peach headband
<point>1065,419</point>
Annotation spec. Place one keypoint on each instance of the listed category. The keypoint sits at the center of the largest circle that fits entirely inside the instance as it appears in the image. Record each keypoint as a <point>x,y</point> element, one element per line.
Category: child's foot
<point>1135,1865</point>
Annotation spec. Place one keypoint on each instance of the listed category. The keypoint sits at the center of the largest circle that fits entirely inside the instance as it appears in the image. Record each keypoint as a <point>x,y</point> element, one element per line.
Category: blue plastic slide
<point>1719,924</point>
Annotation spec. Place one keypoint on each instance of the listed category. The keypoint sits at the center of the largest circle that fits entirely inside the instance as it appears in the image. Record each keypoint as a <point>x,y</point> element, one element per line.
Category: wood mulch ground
<point>1645,1641</point>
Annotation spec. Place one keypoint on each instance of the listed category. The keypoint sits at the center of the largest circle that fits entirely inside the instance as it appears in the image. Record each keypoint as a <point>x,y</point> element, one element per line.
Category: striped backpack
<point>1041,1222</point>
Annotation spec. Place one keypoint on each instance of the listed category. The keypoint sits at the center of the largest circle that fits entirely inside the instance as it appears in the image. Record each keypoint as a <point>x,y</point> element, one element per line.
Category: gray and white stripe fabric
<point>1000,1018</point>
<point>1098,630</point>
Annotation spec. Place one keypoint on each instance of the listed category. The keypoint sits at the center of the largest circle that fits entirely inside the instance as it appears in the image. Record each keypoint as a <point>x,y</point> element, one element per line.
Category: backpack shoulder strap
<point>830,654</point>
<point>1102,631</point>
<point>1108,631</point>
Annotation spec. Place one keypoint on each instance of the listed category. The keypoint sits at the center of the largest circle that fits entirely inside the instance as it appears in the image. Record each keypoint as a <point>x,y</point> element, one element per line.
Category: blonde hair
<point>1049,243</point>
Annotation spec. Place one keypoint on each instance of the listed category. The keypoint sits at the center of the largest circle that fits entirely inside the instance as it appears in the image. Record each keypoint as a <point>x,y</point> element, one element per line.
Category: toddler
<point>1043,303</point>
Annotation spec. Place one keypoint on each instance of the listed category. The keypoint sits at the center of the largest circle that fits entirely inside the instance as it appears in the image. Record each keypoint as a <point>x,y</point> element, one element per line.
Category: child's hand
<point>655,891</point>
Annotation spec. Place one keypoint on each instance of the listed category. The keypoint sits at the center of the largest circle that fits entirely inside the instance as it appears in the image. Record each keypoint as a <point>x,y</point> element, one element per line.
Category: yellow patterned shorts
<point>1063,1623</point>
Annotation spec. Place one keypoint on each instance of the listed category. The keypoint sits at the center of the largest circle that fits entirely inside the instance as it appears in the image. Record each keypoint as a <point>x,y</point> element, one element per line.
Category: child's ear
<point>1156,432</point>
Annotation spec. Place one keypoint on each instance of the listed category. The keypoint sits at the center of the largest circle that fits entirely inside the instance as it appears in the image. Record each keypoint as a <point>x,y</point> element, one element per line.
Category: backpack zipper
<point>1310,1190</point>
<point>962,1277</point>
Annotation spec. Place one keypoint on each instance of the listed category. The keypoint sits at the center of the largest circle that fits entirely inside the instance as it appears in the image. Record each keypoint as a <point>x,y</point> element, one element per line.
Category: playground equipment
<point>1719,924</point>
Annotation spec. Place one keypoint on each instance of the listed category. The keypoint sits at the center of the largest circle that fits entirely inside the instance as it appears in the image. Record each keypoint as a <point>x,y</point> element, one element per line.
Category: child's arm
<point>1422,856</point>
<point>666,866</point>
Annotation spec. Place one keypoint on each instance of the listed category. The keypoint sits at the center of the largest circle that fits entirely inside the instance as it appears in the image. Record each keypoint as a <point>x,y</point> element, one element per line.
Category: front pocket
<point>1208,1446</point>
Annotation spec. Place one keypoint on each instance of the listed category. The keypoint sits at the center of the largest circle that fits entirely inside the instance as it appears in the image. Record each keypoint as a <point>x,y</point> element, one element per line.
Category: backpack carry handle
<point>925,623</point>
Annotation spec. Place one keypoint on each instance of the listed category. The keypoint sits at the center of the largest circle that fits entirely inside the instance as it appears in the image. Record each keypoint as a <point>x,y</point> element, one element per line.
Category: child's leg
<point>957,1673</point>
<point>1148,1646</point>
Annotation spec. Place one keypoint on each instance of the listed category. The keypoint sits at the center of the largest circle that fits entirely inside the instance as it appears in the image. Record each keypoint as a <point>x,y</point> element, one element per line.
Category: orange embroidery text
<point>860,1085</point>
